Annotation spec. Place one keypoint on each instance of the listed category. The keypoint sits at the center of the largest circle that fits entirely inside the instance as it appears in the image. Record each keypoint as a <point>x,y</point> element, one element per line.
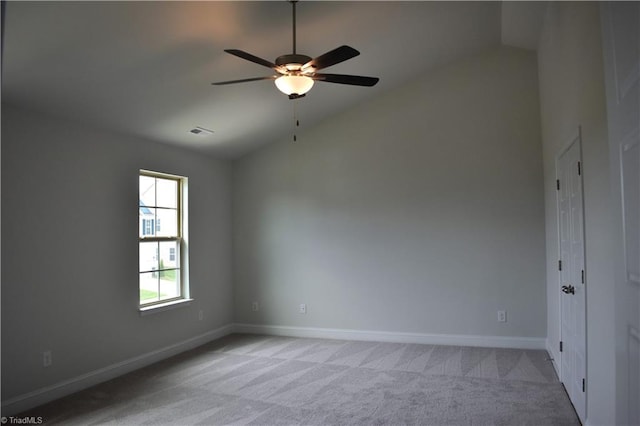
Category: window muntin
<point>160,248</point>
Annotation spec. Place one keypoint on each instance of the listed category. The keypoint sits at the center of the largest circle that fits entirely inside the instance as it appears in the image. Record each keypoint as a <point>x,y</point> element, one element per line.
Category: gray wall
<point>70,256</point>
<point>420,211</point>
<point>571,95</point>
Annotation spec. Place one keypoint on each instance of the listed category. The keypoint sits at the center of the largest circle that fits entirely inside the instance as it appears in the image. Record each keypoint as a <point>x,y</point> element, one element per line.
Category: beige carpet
<point>266,380</point>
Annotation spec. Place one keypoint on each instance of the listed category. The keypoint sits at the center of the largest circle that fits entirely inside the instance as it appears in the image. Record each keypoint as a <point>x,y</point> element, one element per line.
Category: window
<point>161,250</point>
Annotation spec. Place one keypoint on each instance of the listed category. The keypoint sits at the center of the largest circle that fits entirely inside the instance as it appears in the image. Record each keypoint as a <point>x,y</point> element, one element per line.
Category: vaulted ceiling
<point>145,68</point>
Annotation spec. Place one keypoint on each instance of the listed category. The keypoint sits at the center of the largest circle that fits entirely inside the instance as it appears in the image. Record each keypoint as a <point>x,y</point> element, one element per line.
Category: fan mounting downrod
<point>293,58</point>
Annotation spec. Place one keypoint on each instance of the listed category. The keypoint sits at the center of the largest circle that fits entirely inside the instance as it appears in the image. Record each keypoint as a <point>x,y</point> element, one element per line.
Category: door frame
<point>576,139</point>
<point>622,88</point>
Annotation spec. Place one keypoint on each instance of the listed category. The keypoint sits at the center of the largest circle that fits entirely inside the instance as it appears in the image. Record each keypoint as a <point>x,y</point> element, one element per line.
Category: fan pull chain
<point>295,121</point>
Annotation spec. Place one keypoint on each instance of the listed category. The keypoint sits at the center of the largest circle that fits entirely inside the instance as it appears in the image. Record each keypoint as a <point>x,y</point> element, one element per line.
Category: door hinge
<point>559,265</point>
<point>560,345</point>
<point>558,184</point>
<point>583,276</point>
<point>579,169</point>
<point>584,386</point>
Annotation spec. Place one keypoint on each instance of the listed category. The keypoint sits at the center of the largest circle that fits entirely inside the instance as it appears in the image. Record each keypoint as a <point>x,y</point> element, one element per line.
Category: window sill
<point>154,309</point>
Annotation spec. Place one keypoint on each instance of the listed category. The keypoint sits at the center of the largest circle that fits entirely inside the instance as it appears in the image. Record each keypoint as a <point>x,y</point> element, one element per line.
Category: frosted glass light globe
<point>294,84</point>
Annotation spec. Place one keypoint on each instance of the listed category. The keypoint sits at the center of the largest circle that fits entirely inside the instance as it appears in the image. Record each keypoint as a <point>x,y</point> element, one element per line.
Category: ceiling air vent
<point>201,131</point>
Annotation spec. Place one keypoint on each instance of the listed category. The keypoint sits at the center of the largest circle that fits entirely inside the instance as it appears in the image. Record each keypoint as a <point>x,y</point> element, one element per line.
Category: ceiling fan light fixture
<point>298,72</point>
<point>294,84</point>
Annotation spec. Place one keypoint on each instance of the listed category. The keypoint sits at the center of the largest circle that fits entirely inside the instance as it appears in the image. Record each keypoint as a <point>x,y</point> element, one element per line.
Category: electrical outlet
<point>303,308</point>
<point>502,316</point>
<point>47,360</point>
<point>255,307</point>
<point>200,315</point>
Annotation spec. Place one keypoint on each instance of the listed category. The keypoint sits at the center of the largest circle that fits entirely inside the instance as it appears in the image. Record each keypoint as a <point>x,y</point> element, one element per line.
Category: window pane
<point>169,254</point>
<point>167,193</point>
<point>149,287</point>
<point>169,220</point>
<point>169,284</point>
<point>149,256</point>
<point>147,191</point>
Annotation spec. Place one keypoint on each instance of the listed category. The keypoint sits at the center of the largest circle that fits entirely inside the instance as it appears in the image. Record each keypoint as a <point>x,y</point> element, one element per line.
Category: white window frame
<point>182,253</point>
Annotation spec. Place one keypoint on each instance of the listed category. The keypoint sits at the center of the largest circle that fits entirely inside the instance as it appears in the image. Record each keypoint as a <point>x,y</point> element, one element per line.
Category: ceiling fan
<point>296,73</point>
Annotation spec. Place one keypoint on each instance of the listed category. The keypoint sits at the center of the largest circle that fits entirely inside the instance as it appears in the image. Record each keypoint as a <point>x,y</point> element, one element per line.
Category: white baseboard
<point>396,337</point>
<point>49,393</point>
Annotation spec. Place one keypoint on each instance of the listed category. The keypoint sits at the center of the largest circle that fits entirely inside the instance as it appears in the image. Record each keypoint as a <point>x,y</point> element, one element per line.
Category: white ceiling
<point>145,68</point>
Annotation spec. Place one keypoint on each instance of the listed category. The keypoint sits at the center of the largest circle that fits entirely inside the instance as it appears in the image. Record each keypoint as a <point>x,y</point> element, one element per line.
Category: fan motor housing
<point>292,59</point>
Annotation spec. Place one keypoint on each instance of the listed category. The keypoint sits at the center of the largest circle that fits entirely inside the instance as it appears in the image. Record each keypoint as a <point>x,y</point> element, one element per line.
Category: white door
<point>621,44</point>
<point>572,275</point>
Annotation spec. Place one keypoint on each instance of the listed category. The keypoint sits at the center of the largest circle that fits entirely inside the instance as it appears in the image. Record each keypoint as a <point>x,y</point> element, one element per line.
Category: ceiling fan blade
<point>330,58</point>
<point>245,80</point>
<point>354,80</point>
<point>252,58</point>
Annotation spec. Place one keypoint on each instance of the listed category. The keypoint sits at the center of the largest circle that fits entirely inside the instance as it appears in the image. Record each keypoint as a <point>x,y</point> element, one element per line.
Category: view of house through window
<point>160,203</point>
